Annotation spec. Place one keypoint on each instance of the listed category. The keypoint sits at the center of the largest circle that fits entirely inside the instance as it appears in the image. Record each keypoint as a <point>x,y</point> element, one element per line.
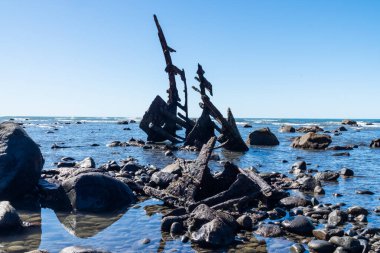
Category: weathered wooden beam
<point>163,133</point>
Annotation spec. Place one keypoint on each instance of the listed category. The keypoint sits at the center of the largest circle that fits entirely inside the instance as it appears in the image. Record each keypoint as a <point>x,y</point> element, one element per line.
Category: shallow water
<point>123,232</point>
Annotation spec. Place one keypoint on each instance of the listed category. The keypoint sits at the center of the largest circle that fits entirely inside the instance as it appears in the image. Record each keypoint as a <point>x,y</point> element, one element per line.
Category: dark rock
<point>346,172</point>
<point>9,219</point>
<point>163,179</point>
<point>214,233</point>
<point>145,241</point>
<point>66,164</point>
<point>350,122</point>
<point>169,153</point>
<point>319,190</point>
<point>337,148</point>
<point>357,210</point>
<point>298,167</point>
<point>297,248</point>
<point>300,225</point>
<point>21,162</point>
<point>294,201</point>
<point>312,141</point>
<point>365,192</point>
<point>269,230</point>
<point>53,195</point>
<point>67,159</point>
<point>350,244</point>
<point>341,154</point>
<point>287,129</point>
<point>310,129</point>
<point>262,137</point>
<point>326,234</point>
<point>375,143</point>
<point>337,217</point>
<point>130,167</point>
<point>326,176</point>
<point>342,129</point>
<point>95,192</point>
<point>320,246</point>
<point>176,228</point>
<point>308,183</point>
<point>123,122</point>
<point>244,222</point>
<point>79,249</point>
<point>247,126</point>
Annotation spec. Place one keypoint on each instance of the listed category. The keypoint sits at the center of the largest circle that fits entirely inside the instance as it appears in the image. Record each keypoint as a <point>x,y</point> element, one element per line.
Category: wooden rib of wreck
<point>233,187</point>
<point>230,136</point>
<point>161,122</point>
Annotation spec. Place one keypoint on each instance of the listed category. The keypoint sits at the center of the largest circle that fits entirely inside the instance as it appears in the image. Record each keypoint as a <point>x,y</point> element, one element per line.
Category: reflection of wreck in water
<point>162,120</point>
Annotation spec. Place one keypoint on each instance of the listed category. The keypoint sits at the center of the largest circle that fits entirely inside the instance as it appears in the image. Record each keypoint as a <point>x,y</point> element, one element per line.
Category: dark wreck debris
<point>162,119</point>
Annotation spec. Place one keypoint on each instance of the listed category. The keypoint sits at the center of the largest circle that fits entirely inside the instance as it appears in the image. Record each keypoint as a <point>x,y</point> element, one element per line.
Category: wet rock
<point>176,228</point>
<point>310,129</point>
<point>357,210</point>
<point>361,218</point>
<point>297,248</point>
<point>214,233</point>
<point>244,222</point>
<point>341,154</point>
<point>298,167</point>
<point>79,249</point>
<point>350,244</point>
<point>130,167</point>
<point>145,241</point>
<point>21,162</point>
<point>300,225</point>
<point>87,163</point>
<point>247,126</point>
<point>66,164</point>
<point>337,217</point>
<point>169,153</point>
<point>312,141</point>
<point>269,230</point>
<point>294,201</point>
<point>350,122</point>
<point>308,183</point>
<point>320,246</point>
<point>319,190</point>
<point>287,129</point>
<point>95,192</point>
<point>365,192</point>
<point>262,137</point>
<point>340,148</point>
<point>326,176</point>
<point>9,219</point>
<point>346,172</point>
<point>163,179</point>
<point>375,143</point>
<point>342,129</point>
<point>326,234</point>
<point>123,122</point>
<point>53,195</point>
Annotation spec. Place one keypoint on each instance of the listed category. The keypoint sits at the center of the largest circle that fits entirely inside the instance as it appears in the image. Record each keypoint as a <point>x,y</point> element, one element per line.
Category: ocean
<point>123,232</point>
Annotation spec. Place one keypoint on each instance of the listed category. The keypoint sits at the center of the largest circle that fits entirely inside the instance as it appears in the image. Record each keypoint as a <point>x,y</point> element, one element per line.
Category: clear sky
<point>293,58</point>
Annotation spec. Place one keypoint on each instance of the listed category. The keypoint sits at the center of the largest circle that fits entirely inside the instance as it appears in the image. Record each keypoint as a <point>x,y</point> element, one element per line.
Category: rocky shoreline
<point>208,209</point>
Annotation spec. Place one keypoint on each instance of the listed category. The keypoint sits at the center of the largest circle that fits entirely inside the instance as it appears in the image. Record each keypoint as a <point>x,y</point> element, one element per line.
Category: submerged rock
<point>95,192</point>
<point>300,225</point>
<point>21,162</point>
<point>312,141</point>
<point>262,137</point>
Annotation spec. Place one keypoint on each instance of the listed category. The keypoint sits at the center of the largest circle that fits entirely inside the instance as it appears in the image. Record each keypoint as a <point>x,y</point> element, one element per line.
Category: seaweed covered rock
<point>21,162</point>
<point>312,141</point>
<point>95,192</point>
<point>263,137</point>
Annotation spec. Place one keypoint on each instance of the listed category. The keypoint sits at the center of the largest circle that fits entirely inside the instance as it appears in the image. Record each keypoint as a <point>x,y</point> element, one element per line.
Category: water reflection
<point>84,225</point>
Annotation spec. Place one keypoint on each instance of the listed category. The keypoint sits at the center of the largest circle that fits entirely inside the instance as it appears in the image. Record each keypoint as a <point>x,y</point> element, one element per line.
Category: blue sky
<point>298,59</point>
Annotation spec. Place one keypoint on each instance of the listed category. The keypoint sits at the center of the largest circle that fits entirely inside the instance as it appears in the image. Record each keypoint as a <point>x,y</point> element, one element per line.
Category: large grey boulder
<point>21,162</point>
<point>263,137</point>
<point>96,192</point>
<point>312,141</point>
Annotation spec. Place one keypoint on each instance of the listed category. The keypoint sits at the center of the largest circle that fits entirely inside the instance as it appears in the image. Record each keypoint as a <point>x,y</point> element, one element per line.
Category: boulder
<point>294,201</point>
<point>375,143</point>
<point>9,219</point>
<point>346,172</point>
<point>312,141</point>
<point>95,192</point>
<point>214,234</point>
<point>21,162</point>
<point>326,176</point>
<point>350,122</point>
<point>287,129</point>
<point>87,163</point>
<point>337,217</point>
<point>300,225</point>
<point>357,210</point>
<point>350,244</point>
<point>269,230</point>
<point>320,246</point>
<point>262,137</point>
<point>310,129</point>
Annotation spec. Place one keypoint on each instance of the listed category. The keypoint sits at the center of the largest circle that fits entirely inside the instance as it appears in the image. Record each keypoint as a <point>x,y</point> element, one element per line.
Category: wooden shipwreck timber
<point>162,120</point>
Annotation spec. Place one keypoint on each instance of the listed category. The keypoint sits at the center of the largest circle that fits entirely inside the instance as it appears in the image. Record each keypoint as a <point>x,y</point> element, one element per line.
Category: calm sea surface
<point>122,232</point>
